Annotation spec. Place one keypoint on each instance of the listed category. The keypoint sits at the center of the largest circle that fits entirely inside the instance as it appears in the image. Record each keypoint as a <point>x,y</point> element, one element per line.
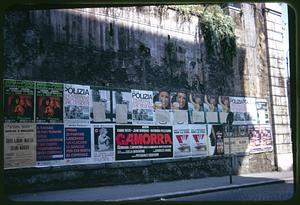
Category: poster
<point>122,107</point>
<point>239,140</point>
<point>180,117</point>
<point>77,144</point>
<point>198,140</point>
<point>223,108</point>
<point>211,108</point>
<point>19,145</point>
<point>181,139</point>
<point>76,103</point>
<point>260,138</point>
<point>49,102</point>
<point>143,142</point>
<point>262,111</point>
<point>50,144</point>
<point>142,107</point>
<point>18,101</point>
<point>100,108</point>
<point>196,108</point>
<point>215,140</point>
<point>162,107</point>
<point>103,143</point>
<point>244,109</point>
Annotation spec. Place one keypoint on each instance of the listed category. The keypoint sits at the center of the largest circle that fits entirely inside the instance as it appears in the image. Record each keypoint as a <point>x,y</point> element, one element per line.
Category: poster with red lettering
<point>198,140</point>
<point>142,106</point>
<point>143,142</point>
<point>182,145</point>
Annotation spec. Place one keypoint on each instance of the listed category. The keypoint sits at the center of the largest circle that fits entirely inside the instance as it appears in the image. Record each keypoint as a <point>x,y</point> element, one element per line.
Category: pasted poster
<point>19,145</point>
<point>142,107</point>
<point>215,139</point>
<point>49,102</point>
<point>196,108</point>
<point>18,101</point>
<point>244,109</point>
<point>223,108</point>
<point>143,142</point>
<point>77,144</point>
<point>122,107</point>
<point>100,107</point>
<point>198,140</point>
<point>211,109</point>
<point>260,138</point>
<point>179,105</point>
<point>103,143</point>
<point>76,103</point>
<point>50,144</point>
<point>239,140</point>
<point>262,111</point>
<point>162,107</point>
<point>181,139</point>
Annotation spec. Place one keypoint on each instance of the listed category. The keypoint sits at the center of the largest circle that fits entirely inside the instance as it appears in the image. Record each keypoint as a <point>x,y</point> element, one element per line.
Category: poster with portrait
<point>196,108</point>
<point>244,110</point>
<point>103,143</point>
<point>198,140</point>
<point>100,107</point>
<point>50,144</point>
<point>260,138</point>
<point>78,144</point>
<point>143,142</point>
<point>18,101</point>
<point>49,102</point>
<point>179,105</point>
<point>76,103</point>
<point>122,107</point>
<point>181,139</point>
<point>211,108</point>
<point>142,107</point>
<point>223,108</point>
<point>262,111</point>
<point>162,107</point>
<point>215,139</point>
<point>19,145</point>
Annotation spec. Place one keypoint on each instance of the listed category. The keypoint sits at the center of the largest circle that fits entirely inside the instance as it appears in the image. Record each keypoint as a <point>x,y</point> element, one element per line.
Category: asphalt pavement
<point>156,190</point>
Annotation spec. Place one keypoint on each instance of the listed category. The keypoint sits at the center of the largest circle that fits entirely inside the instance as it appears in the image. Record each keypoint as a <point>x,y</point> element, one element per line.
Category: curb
<point>197,191</point>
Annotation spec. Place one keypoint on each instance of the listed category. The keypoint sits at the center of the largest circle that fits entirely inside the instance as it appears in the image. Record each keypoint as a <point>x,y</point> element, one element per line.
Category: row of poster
<point>43,102</point>
<point>51,144</point>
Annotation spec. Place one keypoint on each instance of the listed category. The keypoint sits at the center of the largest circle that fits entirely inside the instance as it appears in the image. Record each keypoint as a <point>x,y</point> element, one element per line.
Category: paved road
<point>280,191</point>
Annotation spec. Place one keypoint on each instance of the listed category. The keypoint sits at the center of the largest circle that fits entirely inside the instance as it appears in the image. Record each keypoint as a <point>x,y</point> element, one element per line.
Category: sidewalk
<point>156,191</point>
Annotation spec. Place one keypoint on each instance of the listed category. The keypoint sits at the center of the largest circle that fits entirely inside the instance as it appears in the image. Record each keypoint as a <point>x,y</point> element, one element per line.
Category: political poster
<point>100,107</point>
<point>211,109</point>
<point>180,117</point>
<point>260,138</point>
<point>181,139</point>
<point>239,140</point>
<point>262,111</point>
<point>122,107</point>
<point>143,142</point>
<point>215,140</point>
<point>142,107</point>
<point>50,144</point>
<point>77,144</point>
<point>244,109</point>
<point>162,107</point>
<point>18,101</point>
<point>223,108</point>
<point>76,103</point>
<point>198,140</point>
<point>196,108</point>
<point>49,102</point>
<point>103,143</point>
<point>19,145</point>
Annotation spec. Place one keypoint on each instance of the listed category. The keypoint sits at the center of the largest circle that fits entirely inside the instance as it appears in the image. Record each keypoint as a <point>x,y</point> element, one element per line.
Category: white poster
<point>180,117</point>
<point>100,105</point>
<point>76,103</point>
<point>198,140</point>
<point>262,111</point>
<point>103,143</point>
<point>244,109</point>
<point>142,107</point>
<point>19,145</point>
<point>162,117</point>
<point>181,141</point>
<point>122,107</point>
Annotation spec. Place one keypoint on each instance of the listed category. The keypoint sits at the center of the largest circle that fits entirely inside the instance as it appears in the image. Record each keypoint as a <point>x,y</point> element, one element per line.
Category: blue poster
<point>50,142</point>
<point>77,142</point>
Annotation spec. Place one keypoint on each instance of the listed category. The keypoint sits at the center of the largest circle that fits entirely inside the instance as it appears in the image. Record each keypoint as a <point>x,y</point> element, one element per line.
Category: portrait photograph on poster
<point>103,143</point>
<point>100,107</point>
<point>122,107</point>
